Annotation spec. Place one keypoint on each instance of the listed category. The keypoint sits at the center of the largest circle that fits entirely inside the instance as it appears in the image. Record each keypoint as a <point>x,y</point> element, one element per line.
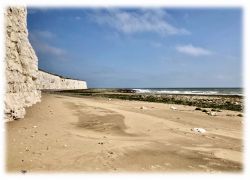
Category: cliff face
<point>21,65</point>
<point>50,81</point>
<point>23,80</point>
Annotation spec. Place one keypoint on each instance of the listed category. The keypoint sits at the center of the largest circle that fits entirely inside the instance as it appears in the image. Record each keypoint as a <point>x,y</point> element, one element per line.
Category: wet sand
<point>93,134</point>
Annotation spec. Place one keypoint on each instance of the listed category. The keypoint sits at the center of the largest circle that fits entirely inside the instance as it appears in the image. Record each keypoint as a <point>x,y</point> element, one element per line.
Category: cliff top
<point>60,75</point>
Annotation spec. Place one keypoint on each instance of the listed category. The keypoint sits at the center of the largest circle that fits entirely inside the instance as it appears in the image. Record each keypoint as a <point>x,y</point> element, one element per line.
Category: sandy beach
<point>94,134</point>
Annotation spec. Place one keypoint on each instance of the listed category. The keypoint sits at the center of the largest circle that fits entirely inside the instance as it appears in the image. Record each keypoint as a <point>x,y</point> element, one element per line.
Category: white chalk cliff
<point>23,80</point>
<point>50,81</point>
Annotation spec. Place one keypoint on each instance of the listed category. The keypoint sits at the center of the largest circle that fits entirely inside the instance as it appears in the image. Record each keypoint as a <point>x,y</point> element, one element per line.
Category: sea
<point>192,91</point>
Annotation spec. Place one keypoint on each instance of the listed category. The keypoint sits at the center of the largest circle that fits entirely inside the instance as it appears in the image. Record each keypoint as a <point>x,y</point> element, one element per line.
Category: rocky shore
<point>226,102</point>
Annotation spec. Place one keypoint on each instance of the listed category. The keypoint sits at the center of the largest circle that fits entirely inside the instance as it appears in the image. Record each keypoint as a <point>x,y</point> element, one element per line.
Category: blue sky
<point>137,47</point>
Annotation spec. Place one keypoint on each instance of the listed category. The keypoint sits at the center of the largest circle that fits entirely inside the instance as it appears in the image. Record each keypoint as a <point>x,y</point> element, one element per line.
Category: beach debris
<point>110,99</point>
<point>240,115</point>
<point>34,126</point>
<point>173,108</point>
<point>198,130</point>
<point>198,109</point>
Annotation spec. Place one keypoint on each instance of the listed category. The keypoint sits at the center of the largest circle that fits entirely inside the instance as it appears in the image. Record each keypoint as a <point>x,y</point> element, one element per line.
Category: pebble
<point>110,152</point>
<point>198,130</point>
<point>23,171</point>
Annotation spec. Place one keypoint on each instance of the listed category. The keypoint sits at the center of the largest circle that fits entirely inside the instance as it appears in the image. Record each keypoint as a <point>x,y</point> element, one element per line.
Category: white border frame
<point>136,3</point>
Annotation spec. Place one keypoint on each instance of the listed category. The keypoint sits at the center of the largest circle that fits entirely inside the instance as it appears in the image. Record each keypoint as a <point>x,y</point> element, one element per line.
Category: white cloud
<point>37,39</point>
<point>137,21</point>
<point>46,48</point>
<point>42,34</point>
<point>193,51</point>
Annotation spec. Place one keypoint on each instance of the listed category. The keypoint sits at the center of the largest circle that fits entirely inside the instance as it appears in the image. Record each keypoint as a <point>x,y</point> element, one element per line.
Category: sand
<point>84,134</point>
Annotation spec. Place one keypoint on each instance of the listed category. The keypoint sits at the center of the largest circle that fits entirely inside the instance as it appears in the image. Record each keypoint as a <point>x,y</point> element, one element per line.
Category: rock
<point>198,109</point>
<point>143,107</point>
<point>173,108</point>
<point>204,110</point>
<point>240,115</point>
<point>216,110</point>
<point>198,130</point>
<point>212,113</point>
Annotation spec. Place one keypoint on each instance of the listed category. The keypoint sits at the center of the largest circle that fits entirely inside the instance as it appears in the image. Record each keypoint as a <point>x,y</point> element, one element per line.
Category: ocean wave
<point>195,92</point>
